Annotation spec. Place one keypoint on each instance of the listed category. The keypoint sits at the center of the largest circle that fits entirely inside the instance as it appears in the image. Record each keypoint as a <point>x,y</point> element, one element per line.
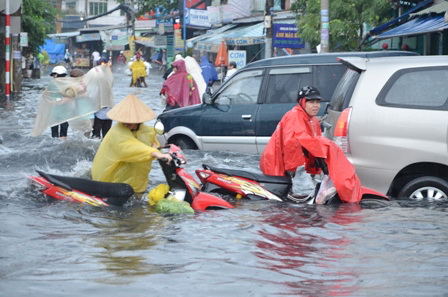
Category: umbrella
<point>222,58</point>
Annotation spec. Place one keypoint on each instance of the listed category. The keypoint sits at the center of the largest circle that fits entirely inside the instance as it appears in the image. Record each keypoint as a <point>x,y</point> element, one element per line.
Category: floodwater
<point>256,249</point>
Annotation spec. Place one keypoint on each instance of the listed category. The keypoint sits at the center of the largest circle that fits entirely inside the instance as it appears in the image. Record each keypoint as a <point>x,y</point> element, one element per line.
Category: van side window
<point>417,88</point>
<point>284,84</point>
<point>327,78</point>
<point>242,88</point>
<point>344,91</point>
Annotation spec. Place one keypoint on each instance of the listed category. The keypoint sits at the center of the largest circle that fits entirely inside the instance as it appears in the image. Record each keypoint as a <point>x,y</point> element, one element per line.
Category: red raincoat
<point>180,87</point>
<point>341,171</point>
<point>284,152</point>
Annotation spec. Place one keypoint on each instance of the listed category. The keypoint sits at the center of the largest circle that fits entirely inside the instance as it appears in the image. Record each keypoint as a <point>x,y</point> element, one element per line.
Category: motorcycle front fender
<point>370,193</point>
<point>204,201</point>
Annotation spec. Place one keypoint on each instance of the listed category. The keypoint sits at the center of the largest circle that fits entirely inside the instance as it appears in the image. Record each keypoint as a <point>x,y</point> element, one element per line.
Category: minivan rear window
<point>416,88</point>
<point>344,91</point>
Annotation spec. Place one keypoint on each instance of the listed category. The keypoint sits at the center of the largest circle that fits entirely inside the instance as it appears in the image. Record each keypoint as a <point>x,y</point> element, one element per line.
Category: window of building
<point>98,7</point>
<point>71,6</point>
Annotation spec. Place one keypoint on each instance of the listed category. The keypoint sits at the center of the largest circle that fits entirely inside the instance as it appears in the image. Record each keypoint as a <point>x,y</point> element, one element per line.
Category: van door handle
<point>246,116</point>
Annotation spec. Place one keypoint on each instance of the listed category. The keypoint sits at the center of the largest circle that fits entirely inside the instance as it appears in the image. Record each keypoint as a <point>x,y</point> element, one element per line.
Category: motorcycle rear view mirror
<point>159,128</point>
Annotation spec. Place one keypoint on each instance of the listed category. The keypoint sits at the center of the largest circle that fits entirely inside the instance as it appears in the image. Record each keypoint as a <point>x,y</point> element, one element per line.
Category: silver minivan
<point>390,116</point>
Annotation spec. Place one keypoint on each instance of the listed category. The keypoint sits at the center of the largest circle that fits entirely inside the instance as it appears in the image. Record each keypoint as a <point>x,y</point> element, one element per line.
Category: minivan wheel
<point>185,143</point>
<point>428,188</point>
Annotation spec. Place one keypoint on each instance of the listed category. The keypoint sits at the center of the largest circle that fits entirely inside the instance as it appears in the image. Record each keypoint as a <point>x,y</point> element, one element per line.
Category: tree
<point>347,21</point>
<point>38,19</point>
<point>147,5</point>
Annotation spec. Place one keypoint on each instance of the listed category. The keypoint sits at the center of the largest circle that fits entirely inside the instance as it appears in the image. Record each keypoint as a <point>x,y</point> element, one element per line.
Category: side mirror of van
<point>207,98</point>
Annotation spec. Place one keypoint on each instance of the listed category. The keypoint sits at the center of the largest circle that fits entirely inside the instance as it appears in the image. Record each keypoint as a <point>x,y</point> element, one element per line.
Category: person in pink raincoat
<point>180,88</point>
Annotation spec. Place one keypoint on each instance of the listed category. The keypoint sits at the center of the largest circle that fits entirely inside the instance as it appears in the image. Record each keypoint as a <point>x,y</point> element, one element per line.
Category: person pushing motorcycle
<point>126,153</point>
<point>298,141</point>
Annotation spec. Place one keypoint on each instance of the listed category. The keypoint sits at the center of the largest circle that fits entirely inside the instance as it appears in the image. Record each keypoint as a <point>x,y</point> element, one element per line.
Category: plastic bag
<point>174,206</point>
<point>326,190</point>
<point>157,194</point>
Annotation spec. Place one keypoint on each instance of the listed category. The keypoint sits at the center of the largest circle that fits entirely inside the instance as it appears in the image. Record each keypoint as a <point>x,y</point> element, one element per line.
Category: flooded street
<point>256,249</point>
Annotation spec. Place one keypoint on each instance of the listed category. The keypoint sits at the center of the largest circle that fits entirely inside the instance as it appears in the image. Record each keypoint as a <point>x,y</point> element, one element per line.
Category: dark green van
<point>243,113</point>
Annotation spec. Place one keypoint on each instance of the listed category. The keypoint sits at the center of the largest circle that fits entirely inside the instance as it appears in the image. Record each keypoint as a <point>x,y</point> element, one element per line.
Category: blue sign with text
<point>285,36</point>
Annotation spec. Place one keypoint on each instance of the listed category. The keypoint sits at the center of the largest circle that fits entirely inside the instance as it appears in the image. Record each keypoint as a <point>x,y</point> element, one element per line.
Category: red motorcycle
<point>81,190</point>
<point>258,186</point>
<point>182,186</point>
<point>327,156</point>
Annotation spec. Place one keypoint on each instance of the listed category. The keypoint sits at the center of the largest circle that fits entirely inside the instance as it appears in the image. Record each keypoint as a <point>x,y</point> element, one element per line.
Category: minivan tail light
<point>341,130</point>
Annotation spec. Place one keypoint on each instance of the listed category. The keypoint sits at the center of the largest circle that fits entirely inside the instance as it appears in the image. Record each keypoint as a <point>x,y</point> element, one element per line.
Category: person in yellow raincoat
<point>138,69</point>
<point>126,153</point>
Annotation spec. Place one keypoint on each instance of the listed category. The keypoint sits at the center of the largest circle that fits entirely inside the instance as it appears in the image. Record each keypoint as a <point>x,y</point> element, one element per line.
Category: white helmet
<point>60,70</point>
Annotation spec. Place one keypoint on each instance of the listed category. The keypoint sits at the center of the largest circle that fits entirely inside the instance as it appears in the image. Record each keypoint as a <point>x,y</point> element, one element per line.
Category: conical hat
<point>131,110</point>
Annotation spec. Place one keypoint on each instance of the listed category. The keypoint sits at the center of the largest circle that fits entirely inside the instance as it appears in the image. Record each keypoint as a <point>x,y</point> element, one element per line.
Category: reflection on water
<point>124,239</point>
<point>302,242</point>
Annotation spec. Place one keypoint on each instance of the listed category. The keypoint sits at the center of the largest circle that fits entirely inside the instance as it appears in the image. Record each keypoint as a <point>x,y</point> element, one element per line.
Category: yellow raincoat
<point>125,156</point>
<point>138,70</point>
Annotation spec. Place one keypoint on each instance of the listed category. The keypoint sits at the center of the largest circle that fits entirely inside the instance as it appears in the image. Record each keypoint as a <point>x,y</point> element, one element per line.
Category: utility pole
<point>268,28</point>
<point>184,25</point>
<point>7,52</point>
<point>325,26</point>
<point>86,6</point>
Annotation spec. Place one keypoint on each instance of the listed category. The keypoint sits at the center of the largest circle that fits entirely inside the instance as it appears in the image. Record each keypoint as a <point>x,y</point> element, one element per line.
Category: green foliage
<point>147,5</point>
<point>38,19</point>
<point>347,20</point>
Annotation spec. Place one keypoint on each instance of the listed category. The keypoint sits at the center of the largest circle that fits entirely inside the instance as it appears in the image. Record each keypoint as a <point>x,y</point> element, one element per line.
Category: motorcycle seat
<point>257,176</point>
<point>118,193</point>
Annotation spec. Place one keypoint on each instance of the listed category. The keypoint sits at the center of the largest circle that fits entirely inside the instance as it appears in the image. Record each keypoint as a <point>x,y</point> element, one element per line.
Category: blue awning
<point>416,27</point>
<point>239,36</point>
<point>399,19</point>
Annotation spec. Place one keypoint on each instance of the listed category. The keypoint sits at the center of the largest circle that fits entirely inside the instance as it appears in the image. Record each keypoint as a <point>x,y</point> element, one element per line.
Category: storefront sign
<point>23,39</point>
<point>214,14</point>
<point>178,42</point>
<point>244,41</point>
<point>160,40</point>
<point>285,36</point>
<point>145,24</point>
<point>88,37</point>
<point>207,47</point>
<point>197,17</point>
<point>82,62</point>
<point>239,57</point>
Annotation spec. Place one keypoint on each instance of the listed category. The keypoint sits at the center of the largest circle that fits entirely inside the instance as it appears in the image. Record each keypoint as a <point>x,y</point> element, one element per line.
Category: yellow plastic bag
<point>157,194</point>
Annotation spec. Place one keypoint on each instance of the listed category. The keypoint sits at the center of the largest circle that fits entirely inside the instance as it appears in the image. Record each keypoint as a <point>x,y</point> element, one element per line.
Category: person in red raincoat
<point>180,89</point>
<point>298,141</point>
